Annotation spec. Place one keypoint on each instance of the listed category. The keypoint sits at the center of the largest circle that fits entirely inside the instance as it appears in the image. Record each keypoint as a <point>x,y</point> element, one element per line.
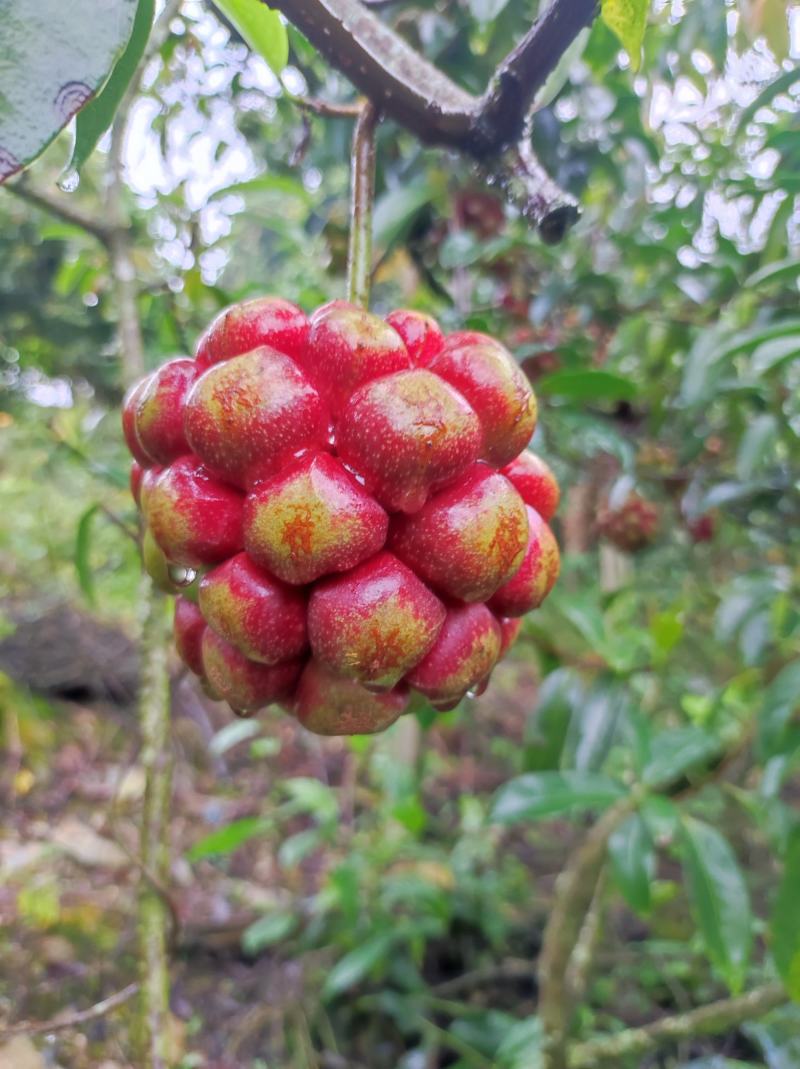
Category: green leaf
<point>262,29</point>
<point>537,795</point>
<point>587,386</point>
<point>719,899</point>
<point>780,85</point>
<point>97,116</point>
<point>756,446</point>
<point>355,965</point>
<point>521,1047</point>
<point>675,752</point>
<point>83,546</point>
<point>785,921</point>
<point>633,862</point>
<point>546,727</point>
<point>628,20</point>
<point>779,271</point>
<point>227,839</point>
<point>267,931</point>
<point>232,734</point>
<point>53,59</point>
<point>781,702</point>
<point>396,211</point>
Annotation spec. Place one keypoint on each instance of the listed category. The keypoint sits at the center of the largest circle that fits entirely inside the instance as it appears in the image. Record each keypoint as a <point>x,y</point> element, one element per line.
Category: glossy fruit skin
<point>245,685</point>
<point>129,432</point>
<point>535,577</point>
<point>535,483</point>
<point>408,434</point>
<point>195,518</point>
<point>327,704</point>
<point>312,519</point>
<point>463,655</point>
<point>158,410</point>
<point>484,371</point>
<point>262,617</point>
<point>374,623</point>
<point>345,497</point>
<point>243,327</point>
<point>421,333</point>
<point>632,526</point>
<point>188,627</point>
<point>468,540</point>
<point>246,417</point>
<point>348,347</point>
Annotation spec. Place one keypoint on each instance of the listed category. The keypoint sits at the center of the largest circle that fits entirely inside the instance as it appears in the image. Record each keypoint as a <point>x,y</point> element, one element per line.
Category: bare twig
<point>62,208</point>
<point>707,1020</point>
<point>362,195</point>
<point>64,1021</point>
<point>328,108</point>
<point>506,972</point>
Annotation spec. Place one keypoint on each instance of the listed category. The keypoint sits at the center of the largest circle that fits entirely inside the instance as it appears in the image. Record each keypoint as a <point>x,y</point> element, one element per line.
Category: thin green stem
<point>362,196</point>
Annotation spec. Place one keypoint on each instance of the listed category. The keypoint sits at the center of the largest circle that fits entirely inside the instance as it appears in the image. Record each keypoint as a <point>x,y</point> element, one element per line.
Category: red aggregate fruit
<point>463,655</point>
<point>408,434</point>
<point>330,705</point>
<point>244,684</point>
<point>420,332</point>
<point>189,625</point>
<point>158,410</point>
<point>243,327</point>
<point>194,518</point>
<point>347,347</point>
<point>534,579</point>
<point>344,507</point>
<point>374,623</point>
<point>467,540</point>
<point>631,526</point>
<point>246,417</point>
<point>485,373</point>
<point>262,617</point>
<point>535,482</point>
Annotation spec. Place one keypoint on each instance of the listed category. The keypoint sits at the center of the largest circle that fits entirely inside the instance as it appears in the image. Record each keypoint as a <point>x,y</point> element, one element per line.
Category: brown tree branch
<point>63,1021</point>
<point>403,85</point>
<point>707,1020</point>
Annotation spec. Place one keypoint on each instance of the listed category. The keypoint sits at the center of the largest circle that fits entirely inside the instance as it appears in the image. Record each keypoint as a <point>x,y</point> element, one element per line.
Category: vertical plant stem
<point>362,195</point>
<point>574,894</point>
<point>154,1038</point>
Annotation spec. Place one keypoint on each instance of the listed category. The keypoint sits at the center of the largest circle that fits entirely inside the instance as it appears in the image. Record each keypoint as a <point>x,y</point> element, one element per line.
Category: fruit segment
<point>467,540</point>
<point>407,434</point>
<point>374,623</point>
<point>464,654</point>
<point>312,519</point>
<point>327,704</point>
<point>535,577</point>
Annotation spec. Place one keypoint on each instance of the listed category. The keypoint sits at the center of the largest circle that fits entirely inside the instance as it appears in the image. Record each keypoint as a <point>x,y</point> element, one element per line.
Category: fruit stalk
<point>362,195</point>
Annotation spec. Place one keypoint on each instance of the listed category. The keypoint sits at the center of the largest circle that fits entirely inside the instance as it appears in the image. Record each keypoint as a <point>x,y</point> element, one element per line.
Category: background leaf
<point>633,862</point>
<point>53,58</point>
<point>537,795</point>
<point>261,28</point>
<point>785,923</point>
<point>719,898</point>
<point>96,117</point>
<point>628,20</point>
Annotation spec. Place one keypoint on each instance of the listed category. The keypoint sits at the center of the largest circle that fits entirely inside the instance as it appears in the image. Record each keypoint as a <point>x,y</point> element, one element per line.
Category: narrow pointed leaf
<point>538,795</point>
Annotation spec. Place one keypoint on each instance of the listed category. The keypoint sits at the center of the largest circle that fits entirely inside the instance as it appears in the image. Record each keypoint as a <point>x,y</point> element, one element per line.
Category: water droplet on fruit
<point>69,181</point>
<point>182,576</point>
<point>472,694</point>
